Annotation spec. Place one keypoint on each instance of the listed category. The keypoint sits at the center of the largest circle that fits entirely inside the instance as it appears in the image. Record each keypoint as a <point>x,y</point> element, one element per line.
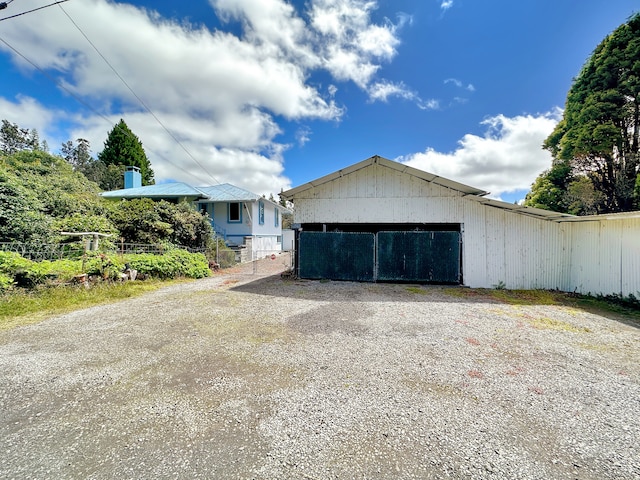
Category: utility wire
<point>72,94</point>
<point>28,11</point>
<point>138,98</point>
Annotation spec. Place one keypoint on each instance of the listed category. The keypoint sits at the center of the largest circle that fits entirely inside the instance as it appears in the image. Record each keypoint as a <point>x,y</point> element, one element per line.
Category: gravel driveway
<point>254,377</point>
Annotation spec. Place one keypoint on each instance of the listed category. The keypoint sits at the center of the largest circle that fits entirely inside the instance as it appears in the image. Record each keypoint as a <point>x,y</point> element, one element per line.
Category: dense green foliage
<point>123,149</point>
<point>18,271</point>
<point>599,135</point>
<point>145,221</point>
<point>41,195</point>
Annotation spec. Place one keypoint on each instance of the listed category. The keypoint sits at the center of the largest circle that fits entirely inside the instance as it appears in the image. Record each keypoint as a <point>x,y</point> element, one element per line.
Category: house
<point>243,219</point>
<point>379,220</point>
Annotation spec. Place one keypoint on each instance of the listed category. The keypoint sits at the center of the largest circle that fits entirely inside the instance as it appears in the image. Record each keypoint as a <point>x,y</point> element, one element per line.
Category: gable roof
<point>378,160</point>
<point>469,192</point>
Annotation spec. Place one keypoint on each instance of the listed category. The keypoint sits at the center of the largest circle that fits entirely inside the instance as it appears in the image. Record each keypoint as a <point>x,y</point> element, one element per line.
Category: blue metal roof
<point>164,190</point>
<point>225,192</point>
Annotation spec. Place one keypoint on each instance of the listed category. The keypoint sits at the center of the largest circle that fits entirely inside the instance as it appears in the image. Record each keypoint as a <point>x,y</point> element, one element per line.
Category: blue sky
<point>271,94</point>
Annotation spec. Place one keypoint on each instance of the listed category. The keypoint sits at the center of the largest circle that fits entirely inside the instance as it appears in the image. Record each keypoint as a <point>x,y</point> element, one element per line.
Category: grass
<point>544,323</point>
<point>591,304</point>
<point>19,307</point>
<point>417,290</point>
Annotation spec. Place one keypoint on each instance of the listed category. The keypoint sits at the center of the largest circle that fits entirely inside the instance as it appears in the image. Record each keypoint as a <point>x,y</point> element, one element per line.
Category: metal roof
<point>385,162</point>
<point>521,209</point>
<point>164,190</point>
<point>225,192</point>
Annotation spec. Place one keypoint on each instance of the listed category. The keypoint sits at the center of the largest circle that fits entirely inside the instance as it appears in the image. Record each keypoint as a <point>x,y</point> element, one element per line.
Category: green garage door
<point>337,256</point>
<point>419,256</point>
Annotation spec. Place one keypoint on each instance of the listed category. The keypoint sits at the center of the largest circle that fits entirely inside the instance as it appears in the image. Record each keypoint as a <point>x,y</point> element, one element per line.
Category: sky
<point>271,94</point>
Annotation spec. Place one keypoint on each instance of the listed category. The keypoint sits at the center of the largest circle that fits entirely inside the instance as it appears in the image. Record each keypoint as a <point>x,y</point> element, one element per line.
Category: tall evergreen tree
<point>599,134</point>
<point>123,149</point>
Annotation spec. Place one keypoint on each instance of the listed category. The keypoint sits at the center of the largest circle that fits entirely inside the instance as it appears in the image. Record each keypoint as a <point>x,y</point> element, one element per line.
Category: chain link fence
<point>45,251</point>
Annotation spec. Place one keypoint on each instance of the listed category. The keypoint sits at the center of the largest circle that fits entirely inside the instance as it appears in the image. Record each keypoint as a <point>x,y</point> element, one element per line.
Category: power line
<point>137,97</point>
<point>72,94</point>
<point>28,11</point>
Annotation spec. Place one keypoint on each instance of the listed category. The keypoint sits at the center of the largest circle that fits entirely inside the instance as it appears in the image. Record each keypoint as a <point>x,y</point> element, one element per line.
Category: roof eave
<point>376,159</point>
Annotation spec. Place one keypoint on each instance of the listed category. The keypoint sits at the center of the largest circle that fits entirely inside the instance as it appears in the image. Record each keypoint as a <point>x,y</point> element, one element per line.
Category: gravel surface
<point>248,376</point>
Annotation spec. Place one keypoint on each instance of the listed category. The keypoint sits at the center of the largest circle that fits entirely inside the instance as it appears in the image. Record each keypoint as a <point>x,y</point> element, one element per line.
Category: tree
<point>41,195</point>
<point>549,189</point>
<point>599,134</point>
<point>123,149</point>
<point>79,156</point>
<point>145,221</point>
<point>15,139</point>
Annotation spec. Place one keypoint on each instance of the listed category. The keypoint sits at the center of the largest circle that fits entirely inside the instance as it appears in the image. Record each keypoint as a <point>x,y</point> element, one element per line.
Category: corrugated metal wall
<point>517,251</point>
<point>498,246</point>
<point>605,257</point>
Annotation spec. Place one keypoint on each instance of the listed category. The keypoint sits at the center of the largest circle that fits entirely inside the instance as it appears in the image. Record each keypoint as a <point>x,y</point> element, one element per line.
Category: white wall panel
<point>499,246</point>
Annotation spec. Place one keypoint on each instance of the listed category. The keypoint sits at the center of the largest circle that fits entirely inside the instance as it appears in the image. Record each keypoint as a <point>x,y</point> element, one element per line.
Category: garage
<point>382,221</point>
<point>425,256</point>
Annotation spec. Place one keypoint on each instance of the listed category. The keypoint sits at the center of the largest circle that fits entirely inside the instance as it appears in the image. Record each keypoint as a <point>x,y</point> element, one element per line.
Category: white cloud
<point>459,84</point>
<point>303,135</point>
<point>28,113</point>
<point>507,158</point>
<point>382,91</point>
<point>446,5</point>
<point>350,46</point>
<point>221,94</point>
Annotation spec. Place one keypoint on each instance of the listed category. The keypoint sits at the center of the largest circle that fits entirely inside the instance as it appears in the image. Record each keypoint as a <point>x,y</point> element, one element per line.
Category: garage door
<point>418,256</point>
<point>337,256</point>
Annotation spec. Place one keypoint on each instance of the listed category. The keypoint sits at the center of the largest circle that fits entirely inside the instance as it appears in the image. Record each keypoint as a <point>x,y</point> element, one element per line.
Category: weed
<point>544,323</point>
<point>417,290</point>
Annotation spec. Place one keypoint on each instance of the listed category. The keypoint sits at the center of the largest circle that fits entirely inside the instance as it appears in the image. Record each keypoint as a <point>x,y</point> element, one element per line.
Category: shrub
<point>175,263</point>
<point>108,267</point>
<point>6,282</point>
<point>11,263</point>
<point>26,273</point>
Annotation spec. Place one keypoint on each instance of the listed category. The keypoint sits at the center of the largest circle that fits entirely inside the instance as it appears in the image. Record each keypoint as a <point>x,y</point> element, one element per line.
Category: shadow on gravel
<point>339,291</point>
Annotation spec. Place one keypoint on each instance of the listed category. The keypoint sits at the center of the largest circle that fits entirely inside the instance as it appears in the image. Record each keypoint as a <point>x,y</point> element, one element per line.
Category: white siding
<point>499,246</point>
<point>605,257</point>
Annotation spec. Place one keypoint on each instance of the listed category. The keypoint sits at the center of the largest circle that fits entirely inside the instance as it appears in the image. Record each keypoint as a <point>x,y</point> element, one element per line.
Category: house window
<point>202,208</point>
<point>276,222</point>
<point>234,210</point>
<point>261,213</point>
